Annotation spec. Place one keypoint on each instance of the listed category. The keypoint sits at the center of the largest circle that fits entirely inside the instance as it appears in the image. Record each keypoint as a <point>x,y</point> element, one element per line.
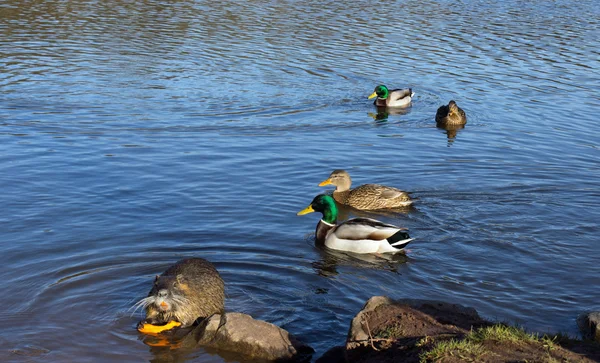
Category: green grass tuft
<point>466,350</point>
<point>502,333</point>
<point>471,347</point>
<point>390,332</point>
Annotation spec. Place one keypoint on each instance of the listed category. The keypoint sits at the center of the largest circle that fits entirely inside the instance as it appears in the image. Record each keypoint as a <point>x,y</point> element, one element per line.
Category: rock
<point>357,336</point>
<point>589,325</point>
<point>255,339</point>
<point>336,354</point>
<point>424,314</point>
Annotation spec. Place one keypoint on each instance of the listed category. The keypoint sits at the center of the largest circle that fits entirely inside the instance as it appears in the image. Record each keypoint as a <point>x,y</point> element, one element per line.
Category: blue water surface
<point>134,134</point>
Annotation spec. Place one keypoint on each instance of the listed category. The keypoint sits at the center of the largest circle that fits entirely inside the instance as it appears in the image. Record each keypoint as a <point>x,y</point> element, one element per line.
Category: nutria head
<point>168,300</point>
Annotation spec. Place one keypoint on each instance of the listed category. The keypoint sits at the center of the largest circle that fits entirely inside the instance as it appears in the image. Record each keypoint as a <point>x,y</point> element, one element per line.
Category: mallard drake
<point>450,115</point>
<point>358,235</point>
<point>393,98</point>
<point>366,196</point>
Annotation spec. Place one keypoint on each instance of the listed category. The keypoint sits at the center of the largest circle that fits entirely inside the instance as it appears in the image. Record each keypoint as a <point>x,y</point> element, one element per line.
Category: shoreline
<point>412,330</point>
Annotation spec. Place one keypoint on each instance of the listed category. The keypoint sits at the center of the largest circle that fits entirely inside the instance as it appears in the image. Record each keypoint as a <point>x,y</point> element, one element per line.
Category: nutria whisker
<point>142,303</point>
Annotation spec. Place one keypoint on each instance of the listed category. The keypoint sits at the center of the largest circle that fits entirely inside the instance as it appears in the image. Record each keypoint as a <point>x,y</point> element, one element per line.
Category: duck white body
<point>361,235</point>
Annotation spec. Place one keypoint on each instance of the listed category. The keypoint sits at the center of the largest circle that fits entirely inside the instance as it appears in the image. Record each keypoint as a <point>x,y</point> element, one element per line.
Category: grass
<point>501,333</point>
<point>466,350</point>
<point>471,348</point>
<point>390,332</point>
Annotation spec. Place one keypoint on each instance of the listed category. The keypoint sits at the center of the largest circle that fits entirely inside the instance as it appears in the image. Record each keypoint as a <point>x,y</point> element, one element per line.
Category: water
<point>134,134</point>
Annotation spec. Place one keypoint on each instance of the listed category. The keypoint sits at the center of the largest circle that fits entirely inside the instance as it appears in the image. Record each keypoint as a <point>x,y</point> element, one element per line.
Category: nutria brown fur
<point>186,291</point>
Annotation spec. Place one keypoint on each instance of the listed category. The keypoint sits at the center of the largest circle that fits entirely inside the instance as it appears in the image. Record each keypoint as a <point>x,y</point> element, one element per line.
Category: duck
<point>450,115</point>
<point>366,196</point>
<point>357,235</point>
<point>393,98</point>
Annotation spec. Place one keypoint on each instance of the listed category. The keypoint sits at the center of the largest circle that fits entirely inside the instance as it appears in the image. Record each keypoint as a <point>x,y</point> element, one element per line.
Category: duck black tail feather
<point>398,236</point>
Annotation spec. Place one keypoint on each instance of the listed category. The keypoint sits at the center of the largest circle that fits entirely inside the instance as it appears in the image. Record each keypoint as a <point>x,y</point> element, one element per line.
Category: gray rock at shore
<point>357,336</point>
<point>589,325</point>
<point>254,339</point>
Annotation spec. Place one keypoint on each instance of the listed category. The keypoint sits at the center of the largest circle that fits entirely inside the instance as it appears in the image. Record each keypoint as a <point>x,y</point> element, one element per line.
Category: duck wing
<point>375,196</point>
<point>376,191</point>
<point>390,193</point>
<point>441,113</point>
<point>365,228</point>
<point>399,94</point>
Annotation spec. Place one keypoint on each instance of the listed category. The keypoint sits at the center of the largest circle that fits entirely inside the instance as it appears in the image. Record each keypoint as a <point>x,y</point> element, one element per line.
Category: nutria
<point>186,291</point>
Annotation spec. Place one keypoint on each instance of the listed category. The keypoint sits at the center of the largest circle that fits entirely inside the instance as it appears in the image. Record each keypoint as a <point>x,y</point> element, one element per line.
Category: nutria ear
<point>156,278</point>
<point>181,279</point>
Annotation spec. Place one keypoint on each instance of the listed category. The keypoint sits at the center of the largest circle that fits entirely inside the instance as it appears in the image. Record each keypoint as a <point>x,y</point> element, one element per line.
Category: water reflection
<point>379,117</point>
<point>331,260</point>
<point>176,345</point>
<point>451,131</point>
<point>174,354</point>
<point>383,113</point>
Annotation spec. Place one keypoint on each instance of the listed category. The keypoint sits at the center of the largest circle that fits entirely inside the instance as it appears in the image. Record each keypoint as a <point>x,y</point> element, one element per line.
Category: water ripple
<point>133,136</point>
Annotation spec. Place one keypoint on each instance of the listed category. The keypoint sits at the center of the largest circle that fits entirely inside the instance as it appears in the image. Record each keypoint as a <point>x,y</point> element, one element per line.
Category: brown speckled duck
<point>450,115</point>
<point>367,196</point>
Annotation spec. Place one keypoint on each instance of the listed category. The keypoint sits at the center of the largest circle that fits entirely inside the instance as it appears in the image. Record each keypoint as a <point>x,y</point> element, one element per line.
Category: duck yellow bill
<point>306,210</point>
<point>325,182</point>
<point>373,95</point>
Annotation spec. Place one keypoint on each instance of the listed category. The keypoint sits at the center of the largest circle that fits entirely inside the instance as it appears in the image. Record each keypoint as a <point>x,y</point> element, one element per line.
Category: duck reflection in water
<point>327,265</point>
<point>383,113</point>
<point>451,131</point>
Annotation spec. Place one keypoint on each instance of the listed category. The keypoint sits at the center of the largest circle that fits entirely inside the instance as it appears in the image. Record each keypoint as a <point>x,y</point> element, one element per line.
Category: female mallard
<point>367,196</point>
<point>393,98</point>
<point>450,115</point>
<point>358,235</point>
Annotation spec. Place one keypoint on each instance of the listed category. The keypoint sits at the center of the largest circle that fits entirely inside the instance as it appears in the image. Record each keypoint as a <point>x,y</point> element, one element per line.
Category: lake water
<point>134,134</point>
